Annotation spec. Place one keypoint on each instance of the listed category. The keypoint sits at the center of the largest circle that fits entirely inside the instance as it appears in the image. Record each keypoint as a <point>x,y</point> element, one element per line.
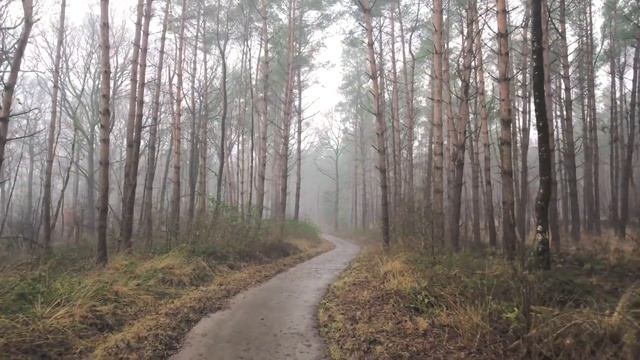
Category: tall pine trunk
<point>506,171</point>
<point>380,123</point>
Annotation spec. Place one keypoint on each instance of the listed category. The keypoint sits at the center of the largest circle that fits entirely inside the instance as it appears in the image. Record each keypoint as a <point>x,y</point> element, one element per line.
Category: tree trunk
<point>460,133</point>
<point>593,121</point>
<point>486,144</point>
<point>177,134</point>
<point>153,136</point>
<point>554,228</point>
<point>395,118</point>
<point>105,129</point>
<point>264,120</point>
<point>380,123</point>
<point>296,214</point>
<point>627,169</point>
<point>128,190</point>
<point>569,145</point>
<point>438,183</point>
<point>508,220</point>
<point>613,125</point>
<point>543,256</point>
<point>409,85</point>
<point>222,48</point>
<point>46,197</point>
<point>133,150</point>
<point>194,129</point>
<point>525,129</point>
<point>203,136</point>
<point>286,117</point>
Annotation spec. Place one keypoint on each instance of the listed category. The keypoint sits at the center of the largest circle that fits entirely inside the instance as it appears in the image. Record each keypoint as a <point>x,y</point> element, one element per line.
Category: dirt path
<point>276,320</point>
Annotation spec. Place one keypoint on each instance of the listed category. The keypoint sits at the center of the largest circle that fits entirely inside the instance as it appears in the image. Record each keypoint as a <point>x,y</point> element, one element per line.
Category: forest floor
<point>276,320</point>
<point>140,305</point>
<point>405,304</point>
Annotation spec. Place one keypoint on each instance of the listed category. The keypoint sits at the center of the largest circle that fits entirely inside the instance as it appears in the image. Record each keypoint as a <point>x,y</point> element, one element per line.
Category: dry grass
<point>403,305</point>
<point>67,309</point>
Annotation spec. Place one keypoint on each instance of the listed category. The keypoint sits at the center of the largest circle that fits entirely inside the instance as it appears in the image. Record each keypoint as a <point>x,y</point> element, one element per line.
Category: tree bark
<point>486,143</point>
<point>627,169</point>
<point>222,48</point>
<point>438,181</point>
<point>286,117</point>
<point>105,129</point>
<point>263,111</point>
<point>366,8</point>
<point>543,255</point>
<point>395,118</point>
<point>508,220</point>
<point>177,134</point>
<point>525,129</point>
<point>136,107</point>
<point>569,144</point>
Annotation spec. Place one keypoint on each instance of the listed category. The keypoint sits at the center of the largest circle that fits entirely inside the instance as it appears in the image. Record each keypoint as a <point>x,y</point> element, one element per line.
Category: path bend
<point>275,320</point>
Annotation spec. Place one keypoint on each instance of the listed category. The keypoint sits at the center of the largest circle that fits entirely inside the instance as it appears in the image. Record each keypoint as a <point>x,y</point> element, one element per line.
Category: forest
<point>161,159</point>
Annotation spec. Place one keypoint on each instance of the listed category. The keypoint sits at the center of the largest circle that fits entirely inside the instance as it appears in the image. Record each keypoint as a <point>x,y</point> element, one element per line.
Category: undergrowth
<point>62,306</point>
<point>407,304</point>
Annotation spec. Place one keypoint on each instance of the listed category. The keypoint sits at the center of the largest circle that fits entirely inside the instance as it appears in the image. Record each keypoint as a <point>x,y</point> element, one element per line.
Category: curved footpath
<point>276,320</point>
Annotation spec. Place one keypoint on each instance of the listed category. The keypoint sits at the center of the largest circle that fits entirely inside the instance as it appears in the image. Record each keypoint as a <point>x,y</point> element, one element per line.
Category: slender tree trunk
<point>627,169</point>
<point>299,113</point>
<point>395,118</point>
<point>508,220</point>
<point>286,117</point>
<point>593,126</point>
<point>569,151</point>
<point>475,183</point>
<point>153,135</point>
<point>525,133</point>
<point>543,256</point>
<point>105,129</point>
<point>408,73</point>
<point>177,135</point>
<point>263,111</point>
<point>193,136</point>
<point>46,197</point>
<point>204,132</point>
<point>133,159</point>
<point>128,188</point>
<point>363,168</point>
<point>613,125</point>
<point>554,228</point>
<point>296,215</point>
<point>222,48</point>
<point>438,183</point>
<point>460,133</point>
<point>486,143</point>
<point>380,123</point>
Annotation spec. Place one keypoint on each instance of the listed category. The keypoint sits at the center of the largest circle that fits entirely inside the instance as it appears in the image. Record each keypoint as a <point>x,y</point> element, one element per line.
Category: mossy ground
<point>141,304</point>
<point>409,305</point>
